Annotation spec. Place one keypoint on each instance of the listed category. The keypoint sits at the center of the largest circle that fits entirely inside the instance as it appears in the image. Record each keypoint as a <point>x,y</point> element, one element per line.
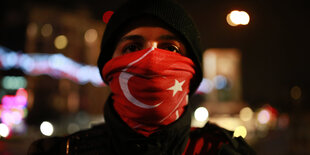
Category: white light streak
<point>54,65</point>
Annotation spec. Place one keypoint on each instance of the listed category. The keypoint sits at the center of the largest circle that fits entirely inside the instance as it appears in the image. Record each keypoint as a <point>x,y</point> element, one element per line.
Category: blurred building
<point>77,36</point>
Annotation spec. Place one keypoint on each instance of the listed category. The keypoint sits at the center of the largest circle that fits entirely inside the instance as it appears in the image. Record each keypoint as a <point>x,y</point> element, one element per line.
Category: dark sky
<point>274,46</point>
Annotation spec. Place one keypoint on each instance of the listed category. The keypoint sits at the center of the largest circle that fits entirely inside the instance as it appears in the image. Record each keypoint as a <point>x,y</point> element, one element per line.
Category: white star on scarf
<point>177,87</point>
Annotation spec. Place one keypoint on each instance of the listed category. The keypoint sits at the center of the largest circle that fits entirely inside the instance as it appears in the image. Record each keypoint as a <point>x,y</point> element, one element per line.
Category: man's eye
<point>131,48</point>
<point>172,48</point>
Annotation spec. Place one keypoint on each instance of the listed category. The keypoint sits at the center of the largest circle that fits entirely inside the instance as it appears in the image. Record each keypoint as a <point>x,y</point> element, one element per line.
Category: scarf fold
<point>150,87</point>
<point>170,139</point>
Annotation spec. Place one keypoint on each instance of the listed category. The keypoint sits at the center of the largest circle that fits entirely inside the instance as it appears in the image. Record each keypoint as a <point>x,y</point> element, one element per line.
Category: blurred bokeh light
<point>235,18</point>
<point>240,131</point>
<point>61,42</point>
<point>201,114</point>
<point>46,128</point>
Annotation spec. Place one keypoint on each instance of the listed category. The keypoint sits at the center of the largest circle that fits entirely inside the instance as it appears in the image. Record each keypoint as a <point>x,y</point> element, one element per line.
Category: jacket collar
<point>171,139</point>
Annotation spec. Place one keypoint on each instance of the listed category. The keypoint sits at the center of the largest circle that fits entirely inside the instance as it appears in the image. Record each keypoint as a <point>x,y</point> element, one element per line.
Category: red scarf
<point>150,87</point>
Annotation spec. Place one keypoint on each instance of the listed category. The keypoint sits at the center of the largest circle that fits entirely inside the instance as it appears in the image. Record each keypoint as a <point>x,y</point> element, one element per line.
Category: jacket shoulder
<point>53,145</point>
<point>212,139</point>
<point>79,141</point>
<point>93,141</point>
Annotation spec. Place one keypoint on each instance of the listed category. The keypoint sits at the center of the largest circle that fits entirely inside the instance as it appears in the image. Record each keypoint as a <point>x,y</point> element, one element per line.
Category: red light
<point>22,92</point>
<point>106,16</point>
<point>271,109</point>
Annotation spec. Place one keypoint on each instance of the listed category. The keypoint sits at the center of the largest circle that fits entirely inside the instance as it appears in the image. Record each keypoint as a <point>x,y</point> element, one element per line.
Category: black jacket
<point>115,137</point>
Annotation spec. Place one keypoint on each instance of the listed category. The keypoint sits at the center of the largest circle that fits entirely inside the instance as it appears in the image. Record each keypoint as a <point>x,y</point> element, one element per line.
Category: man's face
<point>148,36</point>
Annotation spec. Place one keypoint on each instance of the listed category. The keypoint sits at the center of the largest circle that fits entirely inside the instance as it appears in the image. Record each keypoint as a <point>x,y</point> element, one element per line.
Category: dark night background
<point>274,46</point>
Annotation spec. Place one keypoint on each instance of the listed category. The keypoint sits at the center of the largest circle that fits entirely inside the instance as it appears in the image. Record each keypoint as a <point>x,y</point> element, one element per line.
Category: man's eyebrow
<point>141,38</point>
<point>131,37</point>
<point>169,37</point>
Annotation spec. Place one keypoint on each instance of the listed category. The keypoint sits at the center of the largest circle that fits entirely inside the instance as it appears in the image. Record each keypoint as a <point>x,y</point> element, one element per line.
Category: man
<point>151,59</point>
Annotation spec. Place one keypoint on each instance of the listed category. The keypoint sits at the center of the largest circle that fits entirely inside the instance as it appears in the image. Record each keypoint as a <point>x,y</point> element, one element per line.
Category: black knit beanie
<point>167,11</point>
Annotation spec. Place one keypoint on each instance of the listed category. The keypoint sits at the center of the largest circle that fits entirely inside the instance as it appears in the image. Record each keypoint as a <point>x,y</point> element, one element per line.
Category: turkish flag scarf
<point>150,87</point>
